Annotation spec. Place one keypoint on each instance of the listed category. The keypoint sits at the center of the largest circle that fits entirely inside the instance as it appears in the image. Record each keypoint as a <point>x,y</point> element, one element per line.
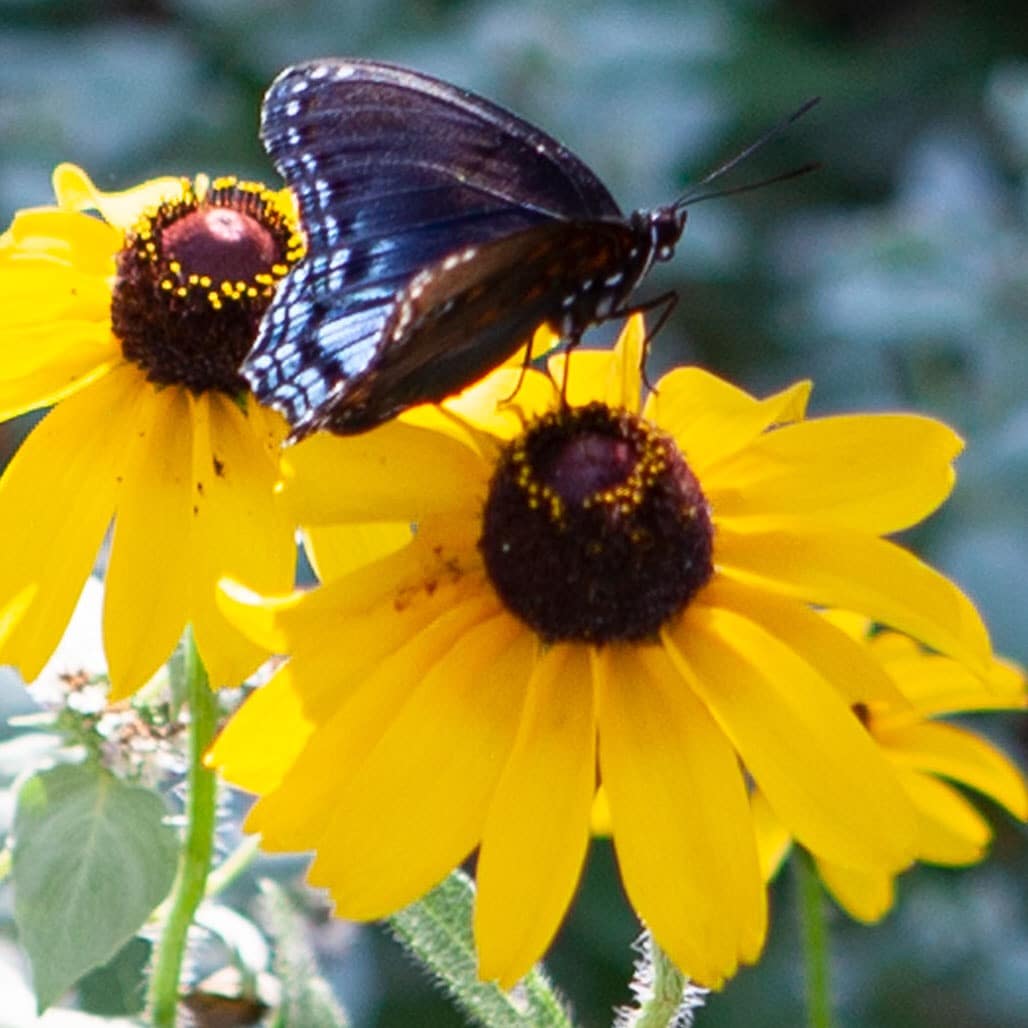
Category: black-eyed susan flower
<point>598,593</point>
<point>133,324</point>
<point>931,758</point>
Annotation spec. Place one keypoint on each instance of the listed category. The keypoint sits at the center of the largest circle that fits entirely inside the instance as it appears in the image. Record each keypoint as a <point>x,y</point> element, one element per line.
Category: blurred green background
<point>895,277</point>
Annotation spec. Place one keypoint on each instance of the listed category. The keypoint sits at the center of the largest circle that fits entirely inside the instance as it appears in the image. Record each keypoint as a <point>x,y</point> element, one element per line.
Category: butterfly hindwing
<point>472,310</point>
<point>308,346</point>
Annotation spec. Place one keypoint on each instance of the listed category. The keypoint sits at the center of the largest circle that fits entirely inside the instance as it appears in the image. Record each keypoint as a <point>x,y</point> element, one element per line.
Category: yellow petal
<point>351,707</point>
<point>860,573</point>
<point>823,776</point>
<point>587,374</point>
<point>238,532</point>
<point>774,843</point>
<point>537,830</point>
<point>497,406</point>
<point>38,290</point>
<point>57,498</point>
<point>680,815</point>
<point>47,386</point>
<point>937,685</point>
<point>599,819</point>
<point>264,738</point>
<point>67,237</point>
<point>258,617</point>
<point>876,473</point>
<point>426,567</point>
<point>146,602</point>
<point>865,895</point>
<point>55,333</point>
<point>75,191</point>
<point>839,658</point>
<point>613,377</point>
<point>710,419</point>
<point>417,804</point>
<point>336,550</point>
<point>950,830</point>
<point>397,472</point>
<point>623,388</point>
<point>962,756</point>
<point>267,734</point>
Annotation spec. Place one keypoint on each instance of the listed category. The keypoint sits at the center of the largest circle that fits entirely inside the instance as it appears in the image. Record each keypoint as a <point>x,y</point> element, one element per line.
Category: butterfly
<point>441,231</point>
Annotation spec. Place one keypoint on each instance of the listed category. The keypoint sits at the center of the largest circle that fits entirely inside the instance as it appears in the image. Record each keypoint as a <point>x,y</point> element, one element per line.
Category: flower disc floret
<point>194,279</point>
<point>595,529</point>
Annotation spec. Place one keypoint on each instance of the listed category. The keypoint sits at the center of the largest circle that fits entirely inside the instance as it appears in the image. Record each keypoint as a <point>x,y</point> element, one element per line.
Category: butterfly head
<point>663,226</point>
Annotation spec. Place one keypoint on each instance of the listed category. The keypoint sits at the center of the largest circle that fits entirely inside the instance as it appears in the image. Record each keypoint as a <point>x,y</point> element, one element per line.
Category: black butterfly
<point>441,232</point>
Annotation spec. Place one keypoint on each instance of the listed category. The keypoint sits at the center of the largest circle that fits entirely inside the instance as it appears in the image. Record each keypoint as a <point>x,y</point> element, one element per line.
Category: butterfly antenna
<point>693,195</point>
<point>749,186</point>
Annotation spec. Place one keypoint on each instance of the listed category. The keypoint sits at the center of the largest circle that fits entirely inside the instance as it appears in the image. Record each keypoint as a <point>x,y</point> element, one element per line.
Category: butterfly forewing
<point>386,138</point>
<point>392,171</point>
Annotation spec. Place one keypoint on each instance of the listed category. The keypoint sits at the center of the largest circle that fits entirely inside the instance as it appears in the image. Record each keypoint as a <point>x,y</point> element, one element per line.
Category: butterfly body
<point>441,232</point>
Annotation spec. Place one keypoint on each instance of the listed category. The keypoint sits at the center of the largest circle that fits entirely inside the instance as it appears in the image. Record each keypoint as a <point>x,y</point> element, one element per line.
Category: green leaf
<point>306,996</point>
<point>92,858</point>
<point>437,931</point>
<point>117,988</point>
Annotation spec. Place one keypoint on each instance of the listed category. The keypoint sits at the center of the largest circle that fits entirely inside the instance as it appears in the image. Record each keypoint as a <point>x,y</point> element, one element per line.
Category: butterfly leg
<point>525,365</point>
<point>667,303</point>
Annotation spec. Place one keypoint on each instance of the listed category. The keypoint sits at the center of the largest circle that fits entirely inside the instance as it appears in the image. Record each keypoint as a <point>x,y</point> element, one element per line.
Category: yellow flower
<point>133,324</point>
<point>663,565</point>
<point>927,755</point>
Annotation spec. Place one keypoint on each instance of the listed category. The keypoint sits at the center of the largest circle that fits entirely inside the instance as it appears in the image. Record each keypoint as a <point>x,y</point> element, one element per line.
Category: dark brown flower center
<point>194,279</point>
<point>595,529</point>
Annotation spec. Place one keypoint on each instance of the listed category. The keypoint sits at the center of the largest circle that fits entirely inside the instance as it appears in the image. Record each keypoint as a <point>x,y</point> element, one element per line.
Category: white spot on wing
<point>461,257</point>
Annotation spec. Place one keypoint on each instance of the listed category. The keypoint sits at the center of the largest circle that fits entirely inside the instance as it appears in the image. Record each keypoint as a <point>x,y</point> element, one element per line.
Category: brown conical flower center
<point>595,529</point>
<point>194,279</point>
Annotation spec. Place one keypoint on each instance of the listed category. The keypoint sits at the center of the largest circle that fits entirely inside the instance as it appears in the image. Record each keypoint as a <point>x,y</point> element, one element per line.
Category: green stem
<point>197,845</point>
<point>667,992</point>
<point>810,901</point>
